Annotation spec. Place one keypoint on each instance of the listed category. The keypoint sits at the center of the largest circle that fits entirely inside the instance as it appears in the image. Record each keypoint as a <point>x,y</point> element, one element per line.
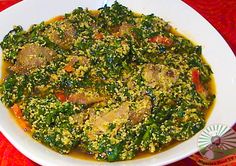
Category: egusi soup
<point>109,83</point>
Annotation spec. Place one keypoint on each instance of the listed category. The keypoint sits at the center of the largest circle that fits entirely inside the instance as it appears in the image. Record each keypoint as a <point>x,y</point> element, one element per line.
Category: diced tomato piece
<point>61,96</point>
<point>161,39</point>
<point>98,36</point>
<point>196,81</point>
<point>69,68</point>
<point>24,124</point>
<point>195,76</point>
<point>59,18</point>
<point>55,19</point>
<point>200,88</point>
<point>17,111</point>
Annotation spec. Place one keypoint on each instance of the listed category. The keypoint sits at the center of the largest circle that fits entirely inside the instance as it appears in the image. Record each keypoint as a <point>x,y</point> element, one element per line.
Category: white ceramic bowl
<point>187,21</point>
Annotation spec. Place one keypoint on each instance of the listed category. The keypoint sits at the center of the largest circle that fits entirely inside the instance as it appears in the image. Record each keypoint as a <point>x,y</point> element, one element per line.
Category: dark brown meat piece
<point>159,76</point>
<point>62,33</point>
<point>100,124</point>
<point>83,98</point>
<point>142,110</point>
<point>32,56</point>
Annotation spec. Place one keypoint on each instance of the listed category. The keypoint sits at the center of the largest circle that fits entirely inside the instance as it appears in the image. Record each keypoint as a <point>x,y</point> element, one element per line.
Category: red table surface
<point>220,13</point>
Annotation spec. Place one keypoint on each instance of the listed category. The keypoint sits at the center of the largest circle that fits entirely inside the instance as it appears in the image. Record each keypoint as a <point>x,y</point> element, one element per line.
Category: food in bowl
<point>111,83</point>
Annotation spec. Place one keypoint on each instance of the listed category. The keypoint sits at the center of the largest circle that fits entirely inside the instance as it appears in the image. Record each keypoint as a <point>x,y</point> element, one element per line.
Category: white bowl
<point>187,21</point>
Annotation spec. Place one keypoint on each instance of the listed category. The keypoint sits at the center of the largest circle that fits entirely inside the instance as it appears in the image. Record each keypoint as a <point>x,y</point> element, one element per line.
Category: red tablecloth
<point>220,13</point>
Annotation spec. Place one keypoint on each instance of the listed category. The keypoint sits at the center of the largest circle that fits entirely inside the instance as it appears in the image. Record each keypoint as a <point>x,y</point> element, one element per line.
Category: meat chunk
<point>122,30</point>
<point>32,56</point>
<point>62,33</point>
<point>118,116</point>
<point>141,111</point>
<point>87,99</point>
<point>161,40</point>
<point>125,28</point>
<point>83,60</point>
<point>81,117</point>
<point>84,63</point>
<point>159,76</point>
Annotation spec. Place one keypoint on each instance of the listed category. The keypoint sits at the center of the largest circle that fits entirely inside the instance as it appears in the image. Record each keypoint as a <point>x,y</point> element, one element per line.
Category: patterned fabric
<point>220,13</point>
